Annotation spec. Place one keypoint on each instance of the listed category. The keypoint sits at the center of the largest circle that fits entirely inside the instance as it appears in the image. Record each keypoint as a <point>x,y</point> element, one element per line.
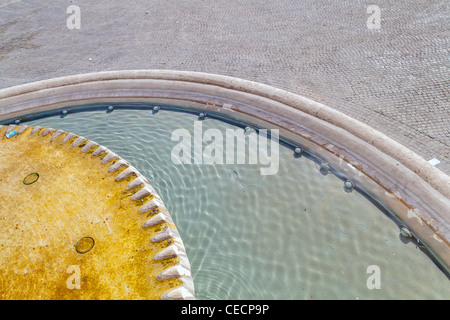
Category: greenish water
<point>296,234</point>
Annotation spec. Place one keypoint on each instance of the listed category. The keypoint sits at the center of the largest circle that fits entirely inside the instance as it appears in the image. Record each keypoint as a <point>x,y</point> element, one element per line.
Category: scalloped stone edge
<point>182,269</point>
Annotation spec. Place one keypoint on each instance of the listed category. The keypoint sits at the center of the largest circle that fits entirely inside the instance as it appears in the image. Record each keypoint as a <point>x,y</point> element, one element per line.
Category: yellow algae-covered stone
<point>74,232</point>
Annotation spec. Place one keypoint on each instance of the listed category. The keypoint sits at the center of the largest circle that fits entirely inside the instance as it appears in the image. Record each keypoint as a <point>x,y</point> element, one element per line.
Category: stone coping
<point>152,261</point>
<point>412,188</point>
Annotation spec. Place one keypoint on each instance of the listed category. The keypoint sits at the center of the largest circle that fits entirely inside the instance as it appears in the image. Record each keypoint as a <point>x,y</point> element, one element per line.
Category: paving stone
<point>394,79</point>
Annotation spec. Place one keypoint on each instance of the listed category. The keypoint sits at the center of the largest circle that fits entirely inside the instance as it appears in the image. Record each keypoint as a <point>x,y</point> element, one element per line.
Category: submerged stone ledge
<point>83,191</point>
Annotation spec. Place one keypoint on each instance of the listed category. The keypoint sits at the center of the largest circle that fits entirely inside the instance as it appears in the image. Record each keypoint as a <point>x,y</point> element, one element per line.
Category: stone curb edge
<point>421,189</point>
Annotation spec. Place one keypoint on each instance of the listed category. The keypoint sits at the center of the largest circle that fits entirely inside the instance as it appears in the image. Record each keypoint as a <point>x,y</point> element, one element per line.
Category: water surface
<point>293,235</point>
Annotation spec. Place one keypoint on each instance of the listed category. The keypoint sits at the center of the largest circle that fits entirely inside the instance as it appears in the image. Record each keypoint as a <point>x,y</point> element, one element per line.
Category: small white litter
<point>434,161</point>
<point>10,134</point>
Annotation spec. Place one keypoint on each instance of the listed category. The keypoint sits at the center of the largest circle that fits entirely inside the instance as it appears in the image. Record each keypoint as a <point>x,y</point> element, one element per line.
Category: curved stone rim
<point>177,250</point>
<point>415,190</point>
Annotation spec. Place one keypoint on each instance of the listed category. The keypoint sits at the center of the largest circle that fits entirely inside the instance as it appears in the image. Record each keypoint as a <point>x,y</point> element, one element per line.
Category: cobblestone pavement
<point>395,79</point>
